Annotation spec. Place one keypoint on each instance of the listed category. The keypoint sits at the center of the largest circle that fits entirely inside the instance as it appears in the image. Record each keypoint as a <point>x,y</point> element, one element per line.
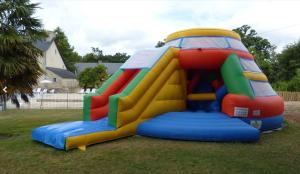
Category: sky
<point>131,25</point>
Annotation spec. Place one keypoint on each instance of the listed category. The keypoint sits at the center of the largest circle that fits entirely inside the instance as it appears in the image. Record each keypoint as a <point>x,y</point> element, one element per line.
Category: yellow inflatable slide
<point>158,87</point>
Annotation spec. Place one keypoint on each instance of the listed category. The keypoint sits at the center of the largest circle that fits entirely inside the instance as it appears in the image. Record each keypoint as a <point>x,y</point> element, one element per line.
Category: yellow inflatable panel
<point>129,101</point>
<point>202,96</point>
<point>98,137</point>
<point>202,32</point>
<point>162,90</point>
<point>255,76</point>
<point>131,107</point>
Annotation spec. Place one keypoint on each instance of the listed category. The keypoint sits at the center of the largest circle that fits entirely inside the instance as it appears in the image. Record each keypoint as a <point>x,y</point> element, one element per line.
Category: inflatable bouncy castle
<point>202,85</point>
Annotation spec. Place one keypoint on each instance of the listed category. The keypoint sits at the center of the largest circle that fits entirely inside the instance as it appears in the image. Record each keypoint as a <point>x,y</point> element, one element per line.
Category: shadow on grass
<point>4,136</point>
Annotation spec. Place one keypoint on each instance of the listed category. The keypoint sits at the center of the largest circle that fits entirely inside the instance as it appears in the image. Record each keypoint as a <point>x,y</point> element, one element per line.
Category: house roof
<point>111,67</point>
<point>63,73</point>
<point>82,66</point>
<point>42,45</point>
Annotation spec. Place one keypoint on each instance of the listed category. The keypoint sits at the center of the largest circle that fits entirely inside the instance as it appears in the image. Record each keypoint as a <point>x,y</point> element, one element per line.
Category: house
<point>56,74</point>
<point>111,67</point>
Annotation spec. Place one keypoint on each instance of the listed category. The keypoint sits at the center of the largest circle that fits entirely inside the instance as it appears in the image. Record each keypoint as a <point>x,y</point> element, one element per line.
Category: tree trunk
<point>3,101</point>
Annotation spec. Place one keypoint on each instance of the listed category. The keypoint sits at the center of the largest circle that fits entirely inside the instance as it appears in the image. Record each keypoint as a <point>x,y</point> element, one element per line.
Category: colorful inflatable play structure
<point>202,85</point>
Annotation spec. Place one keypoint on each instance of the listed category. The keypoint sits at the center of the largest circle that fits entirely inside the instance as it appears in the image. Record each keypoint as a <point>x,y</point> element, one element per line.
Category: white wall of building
<point>57,81</point>
<point>53,58</point>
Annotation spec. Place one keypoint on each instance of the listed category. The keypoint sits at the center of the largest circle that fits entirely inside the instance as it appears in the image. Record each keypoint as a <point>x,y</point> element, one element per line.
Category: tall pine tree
<point>19,67</point>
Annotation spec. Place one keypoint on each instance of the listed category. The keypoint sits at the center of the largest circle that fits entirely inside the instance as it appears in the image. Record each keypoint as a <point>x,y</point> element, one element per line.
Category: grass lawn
<point>278,152</point>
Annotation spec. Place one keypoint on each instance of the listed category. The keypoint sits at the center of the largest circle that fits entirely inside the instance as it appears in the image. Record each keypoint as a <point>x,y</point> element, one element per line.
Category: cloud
<point>128,26</point>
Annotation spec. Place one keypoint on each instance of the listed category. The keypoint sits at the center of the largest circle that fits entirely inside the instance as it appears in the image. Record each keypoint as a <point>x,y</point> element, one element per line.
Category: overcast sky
<point>127,26</point>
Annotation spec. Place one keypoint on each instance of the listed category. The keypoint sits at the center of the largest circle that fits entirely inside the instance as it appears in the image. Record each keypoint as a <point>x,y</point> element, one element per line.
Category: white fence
<point>75,100</point>
<point>51,101</point>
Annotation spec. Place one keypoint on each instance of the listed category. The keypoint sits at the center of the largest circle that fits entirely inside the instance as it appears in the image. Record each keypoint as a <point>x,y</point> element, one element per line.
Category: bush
<point>92,77</point>
<point>292,85</point>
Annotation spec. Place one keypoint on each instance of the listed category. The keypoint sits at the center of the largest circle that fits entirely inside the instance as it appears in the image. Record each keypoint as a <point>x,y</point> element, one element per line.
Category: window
<point>261,89</point>
<point>249,65</point>
<point>144,58</point>
<point>54,79</point>
<point>205,42</point>
<point>173,43</point>
<point>55,51</point>
<point>236,44</point>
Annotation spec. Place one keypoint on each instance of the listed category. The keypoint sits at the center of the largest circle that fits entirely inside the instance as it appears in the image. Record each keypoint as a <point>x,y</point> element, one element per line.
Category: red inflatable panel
<point>100,112</point>
<point>99,104</point>
<point>217,84</point>
<point>211,59</point>
<point>258,107</point>
<point>128,80</point>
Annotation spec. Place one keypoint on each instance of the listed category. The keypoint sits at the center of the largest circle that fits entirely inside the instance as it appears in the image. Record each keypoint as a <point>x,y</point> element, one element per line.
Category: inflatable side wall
<point>244,98</point>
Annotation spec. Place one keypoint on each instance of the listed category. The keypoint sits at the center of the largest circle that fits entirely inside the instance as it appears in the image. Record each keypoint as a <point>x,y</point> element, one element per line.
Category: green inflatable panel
<point>234,78</point>
<point>104,86</point>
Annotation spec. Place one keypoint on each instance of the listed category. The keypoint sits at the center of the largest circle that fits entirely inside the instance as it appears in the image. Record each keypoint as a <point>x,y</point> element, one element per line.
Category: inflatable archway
<point>202,85</point>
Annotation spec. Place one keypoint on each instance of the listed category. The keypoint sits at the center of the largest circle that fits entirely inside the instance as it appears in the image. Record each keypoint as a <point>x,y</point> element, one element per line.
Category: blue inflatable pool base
<point>199,126</point>
<point>265,124</point>
<point>196,126</point>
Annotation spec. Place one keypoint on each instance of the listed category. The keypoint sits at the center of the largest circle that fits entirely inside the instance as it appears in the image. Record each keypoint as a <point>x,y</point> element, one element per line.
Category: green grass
<point>278,152</point>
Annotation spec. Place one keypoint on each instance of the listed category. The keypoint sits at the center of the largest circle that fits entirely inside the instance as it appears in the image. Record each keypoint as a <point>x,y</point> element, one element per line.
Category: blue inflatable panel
<point>198,126</point>
<point>265,124</point>
<point>55,134</point>
<point>220,93</point>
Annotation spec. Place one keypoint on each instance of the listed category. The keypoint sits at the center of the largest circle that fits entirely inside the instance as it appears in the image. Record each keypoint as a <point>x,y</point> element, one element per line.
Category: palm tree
<point>19,67</point>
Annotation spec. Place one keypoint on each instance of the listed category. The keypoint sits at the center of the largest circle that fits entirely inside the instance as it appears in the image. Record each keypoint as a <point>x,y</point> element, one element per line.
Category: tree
<point>160,44</point>
<point>90,57</point>
<point>92,77</point>
<point>289,62</point>
<point>70,57</point>
<point>19,67</point>
<point>97,56</point>
<point>94,56</point>
<point>261,48</point>
<point>294,83</point>
<point>116,58</point>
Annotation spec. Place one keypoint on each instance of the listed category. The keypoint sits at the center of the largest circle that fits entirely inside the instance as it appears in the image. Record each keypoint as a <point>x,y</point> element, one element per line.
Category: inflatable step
<point>198,126</point>
<point>55,134</point>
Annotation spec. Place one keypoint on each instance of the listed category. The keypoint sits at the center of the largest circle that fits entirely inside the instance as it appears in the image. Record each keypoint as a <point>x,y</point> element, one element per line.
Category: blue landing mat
<point>198,126</point>
<point>55,134</point>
